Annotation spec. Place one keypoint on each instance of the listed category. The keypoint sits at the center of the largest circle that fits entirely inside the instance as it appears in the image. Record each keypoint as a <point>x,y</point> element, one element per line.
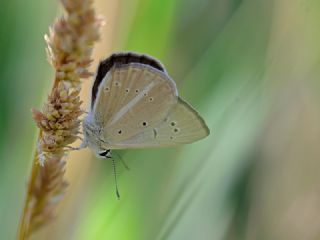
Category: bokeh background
<point>250,67</point>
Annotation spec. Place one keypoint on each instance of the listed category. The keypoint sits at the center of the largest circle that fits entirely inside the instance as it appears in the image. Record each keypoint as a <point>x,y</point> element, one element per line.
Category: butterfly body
<point>135,104</point>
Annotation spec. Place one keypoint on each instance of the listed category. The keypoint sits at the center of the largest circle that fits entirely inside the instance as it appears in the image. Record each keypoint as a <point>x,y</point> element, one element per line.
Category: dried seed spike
<point>69,47</point>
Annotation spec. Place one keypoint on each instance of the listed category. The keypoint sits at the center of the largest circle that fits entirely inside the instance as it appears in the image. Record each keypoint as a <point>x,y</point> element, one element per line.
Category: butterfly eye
<point>103,154</point>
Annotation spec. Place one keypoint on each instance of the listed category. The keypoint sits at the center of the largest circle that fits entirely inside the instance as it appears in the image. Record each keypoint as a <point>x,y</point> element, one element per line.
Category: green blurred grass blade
<point>23,74</point>
<point>152,27</point>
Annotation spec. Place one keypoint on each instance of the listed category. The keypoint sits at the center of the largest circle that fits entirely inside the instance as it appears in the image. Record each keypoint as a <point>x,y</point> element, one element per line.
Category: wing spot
<point>127,90</point>
<point>119,132</point>
<point>145,94</point>
<point>107,89</point>
<point>176,130</point>
<point>117,84</point>
<point>144,124</point>
<point>155,133</point>
<point>173,124</point>
<point>137,90</point>
<point>150,99</point>
<point>171,137</point>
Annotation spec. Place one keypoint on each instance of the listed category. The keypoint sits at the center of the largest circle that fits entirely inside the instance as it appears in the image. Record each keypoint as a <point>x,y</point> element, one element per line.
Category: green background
<point>251,69</point>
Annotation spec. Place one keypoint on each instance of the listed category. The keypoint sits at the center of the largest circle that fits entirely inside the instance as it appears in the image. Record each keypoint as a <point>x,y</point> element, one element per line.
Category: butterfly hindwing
<point>182,125</point>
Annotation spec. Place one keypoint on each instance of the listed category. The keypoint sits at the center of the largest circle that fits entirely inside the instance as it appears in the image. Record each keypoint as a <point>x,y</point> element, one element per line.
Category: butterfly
<point>135,104</point>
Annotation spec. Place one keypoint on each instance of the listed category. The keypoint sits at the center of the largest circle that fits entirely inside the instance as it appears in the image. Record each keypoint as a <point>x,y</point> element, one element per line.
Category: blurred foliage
<point>250,67</point>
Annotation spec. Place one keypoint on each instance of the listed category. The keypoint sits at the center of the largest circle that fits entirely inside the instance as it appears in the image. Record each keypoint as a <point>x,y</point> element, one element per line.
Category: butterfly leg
<point>122,161</point>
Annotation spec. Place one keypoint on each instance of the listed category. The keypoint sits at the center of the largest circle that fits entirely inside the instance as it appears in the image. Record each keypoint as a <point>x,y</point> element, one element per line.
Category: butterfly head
<point>92,139</point>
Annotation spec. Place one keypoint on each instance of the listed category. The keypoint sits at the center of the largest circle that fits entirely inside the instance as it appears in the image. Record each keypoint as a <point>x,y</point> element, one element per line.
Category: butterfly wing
<point>182,125</point>
<point>131,99</point>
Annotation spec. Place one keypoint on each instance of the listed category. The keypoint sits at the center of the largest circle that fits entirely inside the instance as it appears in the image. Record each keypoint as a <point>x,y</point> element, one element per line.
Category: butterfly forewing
<point>131,99</point>
<point>182,125</point>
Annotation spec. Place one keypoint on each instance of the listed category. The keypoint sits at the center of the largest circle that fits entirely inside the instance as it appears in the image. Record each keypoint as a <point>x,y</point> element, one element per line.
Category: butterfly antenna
<point>123,162</point>
<point>115,177</point>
